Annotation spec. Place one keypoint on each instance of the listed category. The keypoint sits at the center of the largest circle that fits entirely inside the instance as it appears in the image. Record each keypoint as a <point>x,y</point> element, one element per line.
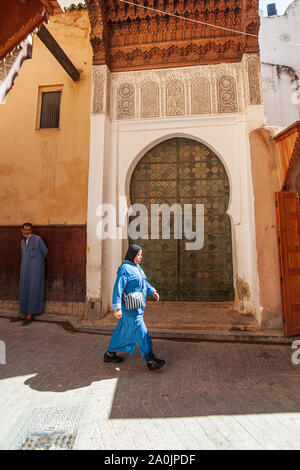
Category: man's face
<point>26,231</point>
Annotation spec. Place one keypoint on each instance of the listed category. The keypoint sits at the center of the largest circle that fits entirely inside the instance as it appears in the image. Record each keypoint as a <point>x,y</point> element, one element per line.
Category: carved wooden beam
<point>51,6</point>
<point>48,6</point>
<point>99,32</point>
<point>46,37</point>
<point>128,37</point>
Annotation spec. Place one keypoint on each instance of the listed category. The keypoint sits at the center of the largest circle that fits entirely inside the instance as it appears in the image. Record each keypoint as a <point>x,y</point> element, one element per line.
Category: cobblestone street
<point>209,395</point>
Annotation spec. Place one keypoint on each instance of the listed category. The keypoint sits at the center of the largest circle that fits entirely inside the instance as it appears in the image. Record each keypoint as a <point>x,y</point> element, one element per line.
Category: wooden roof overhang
<point>19,18</point>
<point>130,37</point>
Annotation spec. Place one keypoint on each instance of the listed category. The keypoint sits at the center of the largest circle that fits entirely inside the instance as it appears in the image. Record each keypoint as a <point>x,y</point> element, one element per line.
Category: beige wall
<point>44,173</point>
<point>266,181</point>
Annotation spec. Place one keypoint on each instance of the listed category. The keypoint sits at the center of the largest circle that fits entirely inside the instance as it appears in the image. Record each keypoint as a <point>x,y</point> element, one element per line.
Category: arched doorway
<point>184,171</point>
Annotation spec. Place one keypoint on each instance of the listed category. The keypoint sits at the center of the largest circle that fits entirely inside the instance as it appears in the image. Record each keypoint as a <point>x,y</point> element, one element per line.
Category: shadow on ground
<point>199,379</point>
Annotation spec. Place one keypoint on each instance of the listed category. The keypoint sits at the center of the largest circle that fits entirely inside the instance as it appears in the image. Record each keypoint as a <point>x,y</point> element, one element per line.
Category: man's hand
<point>156,296</point>
<point>118,314</point>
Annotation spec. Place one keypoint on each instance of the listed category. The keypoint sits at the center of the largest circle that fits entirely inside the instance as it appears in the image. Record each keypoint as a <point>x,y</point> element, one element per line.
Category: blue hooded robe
<point>32,279</point>
<point>131,329</point>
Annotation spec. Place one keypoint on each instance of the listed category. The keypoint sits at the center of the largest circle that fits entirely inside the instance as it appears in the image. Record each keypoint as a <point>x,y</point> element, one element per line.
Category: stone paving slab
<point>208,396</point>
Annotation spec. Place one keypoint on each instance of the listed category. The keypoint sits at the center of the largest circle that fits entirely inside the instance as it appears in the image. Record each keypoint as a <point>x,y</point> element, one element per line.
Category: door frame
<point>194,141</point>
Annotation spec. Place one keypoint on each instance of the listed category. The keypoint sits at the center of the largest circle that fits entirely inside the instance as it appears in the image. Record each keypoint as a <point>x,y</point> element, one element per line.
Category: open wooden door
<point>288,231</point>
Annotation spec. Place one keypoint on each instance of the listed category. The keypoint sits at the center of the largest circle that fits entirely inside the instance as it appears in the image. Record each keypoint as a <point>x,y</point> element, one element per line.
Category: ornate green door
<point>184,171</point>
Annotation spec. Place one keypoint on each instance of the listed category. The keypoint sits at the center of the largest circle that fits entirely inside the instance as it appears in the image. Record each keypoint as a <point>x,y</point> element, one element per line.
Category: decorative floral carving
<point>178,54</point>
<point>99,30</point>
<point>254,82</point>
<point>227,96</point>
<point>98,101</point>
<point>200,96</point>
<point>204,89</point>
<point>175,98</point>
<point>135,38</point>
<point>150,99</point>
<point>126,101</point>
<point>6,64</point>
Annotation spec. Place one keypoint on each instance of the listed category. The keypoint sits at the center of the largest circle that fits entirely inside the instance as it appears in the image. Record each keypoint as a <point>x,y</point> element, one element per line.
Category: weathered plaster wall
<point>280,59</point>
<point>44,173</point>
<point>281,88</point>
<point>266,181</point>
<point>285,28</point>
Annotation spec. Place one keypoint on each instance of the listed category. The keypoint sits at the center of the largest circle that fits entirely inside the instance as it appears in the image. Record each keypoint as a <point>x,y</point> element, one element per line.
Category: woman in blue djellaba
<point>129,299</point>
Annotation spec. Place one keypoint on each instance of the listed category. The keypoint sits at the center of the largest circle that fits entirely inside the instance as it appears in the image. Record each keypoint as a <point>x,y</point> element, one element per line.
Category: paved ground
<point>208,396</point>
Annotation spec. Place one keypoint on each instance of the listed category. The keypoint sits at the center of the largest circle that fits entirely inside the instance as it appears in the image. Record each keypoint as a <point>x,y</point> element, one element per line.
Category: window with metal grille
<point>50,108</point>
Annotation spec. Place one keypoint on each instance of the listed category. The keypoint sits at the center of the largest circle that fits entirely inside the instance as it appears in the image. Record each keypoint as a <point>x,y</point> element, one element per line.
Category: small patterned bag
<point>134,300</point>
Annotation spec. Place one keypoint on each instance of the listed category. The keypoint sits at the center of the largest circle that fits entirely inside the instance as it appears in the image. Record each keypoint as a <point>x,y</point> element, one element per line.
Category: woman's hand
<point>118,314</point>
<point>156,296</point>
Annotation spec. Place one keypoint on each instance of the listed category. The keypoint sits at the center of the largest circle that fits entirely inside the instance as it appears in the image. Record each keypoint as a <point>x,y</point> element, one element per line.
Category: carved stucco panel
<point>162,98</point>
<point>175,99</point>
<point>255,95</point>
<point>227,94</point>
<point>200,96</point>
<point>126,101</point>
<point>179,92</point>
<point>98,82</point>
<point>150,99</point>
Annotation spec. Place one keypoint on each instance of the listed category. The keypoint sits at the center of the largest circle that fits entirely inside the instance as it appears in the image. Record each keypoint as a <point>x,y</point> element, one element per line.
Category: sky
<point>280,4</point>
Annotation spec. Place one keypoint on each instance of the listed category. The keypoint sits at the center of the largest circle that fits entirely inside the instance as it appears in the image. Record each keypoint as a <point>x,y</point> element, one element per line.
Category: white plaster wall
<point>95,193</point>
<point>281,82</point>
<point>285,28</point>
<point>227,136</point>
<point>103,256</point>
<point>124,142</point>
<point>280,95</point>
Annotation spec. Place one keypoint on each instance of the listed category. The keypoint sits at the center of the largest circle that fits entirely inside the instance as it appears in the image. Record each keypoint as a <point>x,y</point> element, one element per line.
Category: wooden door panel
<point>294,288</point>
<point>290,204</point>
<point>295,317</point>
<point>288,230</point>
<point>293,260</point>
<point>292,232</point>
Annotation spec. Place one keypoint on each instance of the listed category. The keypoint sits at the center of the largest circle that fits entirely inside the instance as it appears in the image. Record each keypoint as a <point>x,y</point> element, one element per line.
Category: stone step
<point>181,334</point>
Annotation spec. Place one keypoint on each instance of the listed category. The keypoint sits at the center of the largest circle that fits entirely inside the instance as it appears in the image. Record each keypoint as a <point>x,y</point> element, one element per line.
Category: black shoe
<point>26,322</point>
<point>114,358</point>
<point>155,364</point>
<point>18,318</point>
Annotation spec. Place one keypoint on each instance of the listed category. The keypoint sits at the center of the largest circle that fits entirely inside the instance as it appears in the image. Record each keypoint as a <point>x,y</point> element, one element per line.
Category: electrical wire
<point>209,24</point>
